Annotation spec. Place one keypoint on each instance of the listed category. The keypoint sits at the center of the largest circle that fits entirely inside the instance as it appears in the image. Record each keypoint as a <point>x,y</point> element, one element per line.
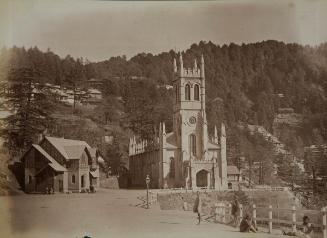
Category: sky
<point>98,30</point>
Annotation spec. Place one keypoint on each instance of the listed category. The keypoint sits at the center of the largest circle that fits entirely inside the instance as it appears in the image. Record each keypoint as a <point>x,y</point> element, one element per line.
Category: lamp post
<point>147,181</point>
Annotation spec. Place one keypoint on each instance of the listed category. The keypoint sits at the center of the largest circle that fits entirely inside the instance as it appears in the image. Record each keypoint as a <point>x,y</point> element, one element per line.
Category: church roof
<point>212,145</point>
<point>171,140</point>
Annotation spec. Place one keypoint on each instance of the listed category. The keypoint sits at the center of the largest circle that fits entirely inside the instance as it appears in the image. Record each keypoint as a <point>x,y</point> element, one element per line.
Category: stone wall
<point>174,200</point>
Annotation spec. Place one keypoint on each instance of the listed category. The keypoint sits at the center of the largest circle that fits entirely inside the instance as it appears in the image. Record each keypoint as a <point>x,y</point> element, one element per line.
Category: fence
<point>206,189</point>
<point>223,211</point>
<point>143,200</point>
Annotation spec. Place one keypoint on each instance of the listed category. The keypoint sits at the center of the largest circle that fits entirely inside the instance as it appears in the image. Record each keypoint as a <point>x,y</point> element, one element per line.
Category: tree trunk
<point>314,185</point>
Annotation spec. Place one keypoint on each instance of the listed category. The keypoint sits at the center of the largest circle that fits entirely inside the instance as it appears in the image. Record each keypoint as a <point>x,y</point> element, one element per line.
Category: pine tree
<point>30,103</point>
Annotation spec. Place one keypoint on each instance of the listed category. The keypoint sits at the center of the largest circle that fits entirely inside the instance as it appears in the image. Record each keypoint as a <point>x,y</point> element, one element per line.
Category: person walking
<point>198,207</point>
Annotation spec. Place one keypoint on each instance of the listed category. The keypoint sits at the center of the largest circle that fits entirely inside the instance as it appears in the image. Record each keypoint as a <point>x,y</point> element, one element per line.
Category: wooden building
<point>233,176</point>
<point>61,164</point>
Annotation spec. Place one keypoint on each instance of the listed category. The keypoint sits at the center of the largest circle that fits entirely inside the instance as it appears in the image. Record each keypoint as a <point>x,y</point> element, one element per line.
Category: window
<point>193,144</point>
<point>196,92</point>
<point>29,179</point>
<point>187,92</point>
<point>82,181</point>
<point>172,168</point>
<point>73,178</point>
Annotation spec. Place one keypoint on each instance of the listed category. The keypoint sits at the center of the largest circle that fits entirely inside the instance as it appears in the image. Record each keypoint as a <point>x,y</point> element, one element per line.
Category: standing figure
<point>198,206</point>
<point>235,212</point>
<point>185,207</point>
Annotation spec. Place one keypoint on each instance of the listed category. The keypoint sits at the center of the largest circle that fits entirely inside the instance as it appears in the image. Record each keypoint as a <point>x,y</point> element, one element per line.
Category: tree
<point>74,75</point>
<point>30,103</point>
<point>116,153</point>
<point>140,97</point>
<point>110,110</point>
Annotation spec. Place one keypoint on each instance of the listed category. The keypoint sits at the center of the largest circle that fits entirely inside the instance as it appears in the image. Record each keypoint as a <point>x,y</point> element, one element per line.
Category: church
<point>185,157</point>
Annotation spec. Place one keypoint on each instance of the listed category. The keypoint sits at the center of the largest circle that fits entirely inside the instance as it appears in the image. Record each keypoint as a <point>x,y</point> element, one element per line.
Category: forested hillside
<point>246,78</point>
<point>242,82</point>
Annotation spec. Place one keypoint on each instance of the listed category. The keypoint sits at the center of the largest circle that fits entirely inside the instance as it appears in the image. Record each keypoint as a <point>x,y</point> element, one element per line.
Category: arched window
<point>73,178</point>
<point>83,181</point>
<point>193,144</point>
<point>172,168</point>
<point>29,179</point>
<point>187,92</point>
<point>196,92</point>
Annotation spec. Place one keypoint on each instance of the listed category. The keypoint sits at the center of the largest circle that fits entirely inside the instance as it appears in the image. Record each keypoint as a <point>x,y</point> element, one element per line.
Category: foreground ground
<point>108,213</point>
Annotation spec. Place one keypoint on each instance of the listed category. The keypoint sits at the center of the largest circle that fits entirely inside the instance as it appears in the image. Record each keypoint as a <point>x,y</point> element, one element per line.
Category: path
<point>108,213</point>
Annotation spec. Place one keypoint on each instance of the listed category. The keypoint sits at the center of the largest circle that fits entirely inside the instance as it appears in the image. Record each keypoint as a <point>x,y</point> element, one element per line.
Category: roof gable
<point>52,162</point>
<point>231,169</point>
<point>69,149</point>
<point>213,146</point>
<point>74,151</point>
<point>171,140</point>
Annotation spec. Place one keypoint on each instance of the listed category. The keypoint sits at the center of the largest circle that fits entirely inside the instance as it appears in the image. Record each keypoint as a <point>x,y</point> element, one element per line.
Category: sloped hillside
<point>8,183</point>
<point>244,84</point>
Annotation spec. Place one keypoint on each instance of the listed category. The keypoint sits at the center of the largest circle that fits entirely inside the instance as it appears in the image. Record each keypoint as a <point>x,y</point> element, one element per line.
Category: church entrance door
<point>202,179</point>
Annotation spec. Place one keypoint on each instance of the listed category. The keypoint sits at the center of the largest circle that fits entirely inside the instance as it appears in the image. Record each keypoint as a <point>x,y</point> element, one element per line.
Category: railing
<point>153,198</point>
<point>293,222</point>
<point>183,190</point>
<point>206,189</point>
<point>223,211</point>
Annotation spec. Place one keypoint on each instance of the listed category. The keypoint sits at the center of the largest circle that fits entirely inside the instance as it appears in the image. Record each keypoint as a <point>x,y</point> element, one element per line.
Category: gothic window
<point>172,168</point>
<point>29,179</point>
<point>187,92</point>
<point>73,178</point>
<point>193,144</point>
<point>196,92</point>
<point>83,181</point>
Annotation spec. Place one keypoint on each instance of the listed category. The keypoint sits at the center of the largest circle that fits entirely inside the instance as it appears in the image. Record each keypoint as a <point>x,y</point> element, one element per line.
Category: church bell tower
<point>189,120</point>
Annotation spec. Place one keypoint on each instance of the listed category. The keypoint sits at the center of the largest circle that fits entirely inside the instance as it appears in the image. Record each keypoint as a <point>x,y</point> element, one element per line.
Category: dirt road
<point>108,213</point>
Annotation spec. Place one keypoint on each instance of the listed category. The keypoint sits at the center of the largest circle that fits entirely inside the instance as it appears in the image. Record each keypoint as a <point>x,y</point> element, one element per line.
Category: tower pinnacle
<point>181,64</point>
<point>175,66</point>
<point>215,136</point>
<point>195,64</point>
<point>202,66</point>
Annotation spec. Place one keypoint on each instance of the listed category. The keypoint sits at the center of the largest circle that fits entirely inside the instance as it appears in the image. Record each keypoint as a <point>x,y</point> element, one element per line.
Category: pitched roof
<point>74,151</point>
<point>213,146</point>
<point>69,149</point>
<point>92,151</point>
<point>95,174</point>
<point>94,91</point>
<point>100,160</point>
<point>52,162</point>
<point>231,169</point>
<point>171,141</point>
